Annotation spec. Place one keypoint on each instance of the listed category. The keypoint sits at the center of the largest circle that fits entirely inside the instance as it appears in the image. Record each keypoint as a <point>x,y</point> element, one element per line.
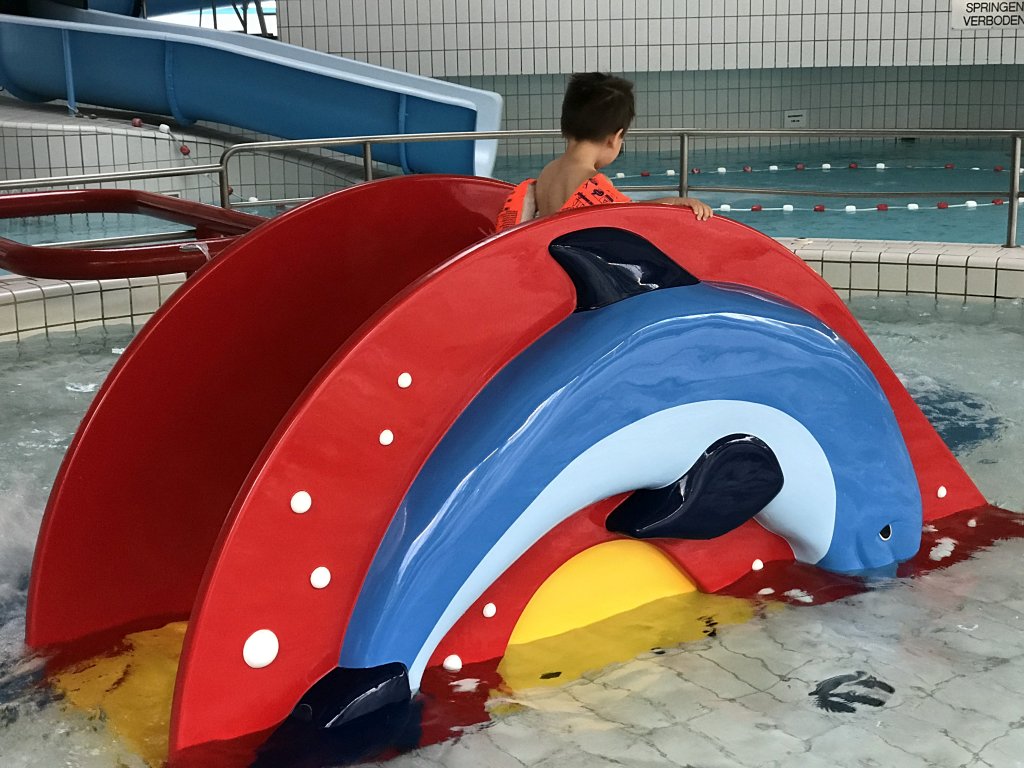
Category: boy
<point>596,112</point>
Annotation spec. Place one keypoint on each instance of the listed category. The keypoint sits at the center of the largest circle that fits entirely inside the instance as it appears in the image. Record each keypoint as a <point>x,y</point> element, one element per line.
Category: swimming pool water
<point>910,166</point>
<point>64,227</point>
<point>949,643</point>
<point>44,230</point>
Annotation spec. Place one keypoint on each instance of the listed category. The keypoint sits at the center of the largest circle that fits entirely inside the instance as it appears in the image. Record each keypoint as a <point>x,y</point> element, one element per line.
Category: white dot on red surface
<point>490,610</point>
<point>260,649</point>
<point>757,565</point>
<point>387,437</point>
<point>301,502</point>
<point>405,380</point>
<point>453,663</point>
<point>941,493</point>
<point>320,577</point>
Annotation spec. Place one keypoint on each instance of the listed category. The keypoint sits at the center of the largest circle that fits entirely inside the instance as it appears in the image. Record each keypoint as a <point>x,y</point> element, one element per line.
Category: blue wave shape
<point>627,397</point>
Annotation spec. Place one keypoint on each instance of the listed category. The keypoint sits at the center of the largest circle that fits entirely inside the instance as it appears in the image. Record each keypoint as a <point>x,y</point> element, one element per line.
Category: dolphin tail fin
<point>344,694</point>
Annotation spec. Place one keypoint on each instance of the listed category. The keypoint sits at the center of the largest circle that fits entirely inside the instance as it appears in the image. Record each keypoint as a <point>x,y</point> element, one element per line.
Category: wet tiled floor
<point>949,644</point>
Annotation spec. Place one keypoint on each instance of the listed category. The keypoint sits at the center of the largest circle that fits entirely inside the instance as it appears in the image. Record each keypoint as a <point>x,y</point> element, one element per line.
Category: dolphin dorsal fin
<point>607,264</point>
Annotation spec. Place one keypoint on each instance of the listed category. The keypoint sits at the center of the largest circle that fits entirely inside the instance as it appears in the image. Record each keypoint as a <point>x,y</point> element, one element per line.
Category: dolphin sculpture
<point>629,394</point>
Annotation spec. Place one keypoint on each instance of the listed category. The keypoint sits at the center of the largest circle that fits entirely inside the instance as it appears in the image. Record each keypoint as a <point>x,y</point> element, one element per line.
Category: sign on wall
<point>991,14</point>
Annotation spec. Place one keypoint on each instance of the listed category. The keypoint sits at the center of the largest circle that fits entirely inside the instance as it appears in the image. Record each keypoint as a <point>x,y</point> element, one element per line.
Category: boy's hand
<point>701,210</point>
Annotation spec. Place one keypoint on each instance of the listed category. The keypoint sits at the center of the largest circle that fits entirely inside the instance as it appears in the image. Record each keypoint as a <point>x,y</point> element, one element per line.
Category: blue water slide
<point>117,61</point>
<point>154,7</point>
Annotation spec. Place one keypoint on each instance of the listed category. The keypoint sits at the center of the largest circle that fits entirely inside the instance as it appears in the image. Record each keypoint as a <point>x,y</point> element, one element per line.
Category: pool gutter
<point>854,268</point>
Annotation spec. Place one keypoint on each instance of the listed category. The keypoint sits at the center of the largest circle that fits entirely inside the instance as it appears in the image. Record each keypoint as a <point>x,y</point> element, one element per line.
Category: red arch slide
<point>276,369</point>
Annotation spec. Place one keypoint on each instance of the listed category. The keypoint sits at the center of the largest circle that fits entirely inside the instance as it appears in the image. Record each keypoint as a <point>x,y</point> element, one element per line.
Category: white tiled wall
<point>831,97</point>
<point>449,38</point>
<point>43,140</point>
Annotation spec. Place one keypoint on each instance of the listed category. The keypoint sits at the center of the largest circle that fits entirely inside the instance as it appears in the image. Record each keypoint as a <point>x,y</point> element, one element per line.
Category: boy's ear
<point>610,141</point>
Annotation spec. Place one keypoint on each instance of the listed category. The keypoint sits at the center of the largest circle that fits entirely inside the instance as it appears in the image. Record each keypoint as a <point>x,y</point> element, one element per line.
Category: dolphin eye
<point>886,533</point>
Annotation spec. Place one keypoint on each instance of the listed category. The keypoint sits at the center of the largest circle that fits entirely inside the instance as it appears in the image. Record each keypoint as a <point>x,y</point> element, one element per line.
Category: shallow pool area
<point>915,672</point>
<point>59,228</point>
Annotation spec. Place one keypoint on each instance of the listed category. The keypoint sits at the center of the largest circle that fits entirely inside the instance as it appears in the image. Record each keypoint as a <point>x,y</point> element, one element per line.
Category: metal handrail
<point>684,136</point>
<point>121,241</point>
<point>98,178</point>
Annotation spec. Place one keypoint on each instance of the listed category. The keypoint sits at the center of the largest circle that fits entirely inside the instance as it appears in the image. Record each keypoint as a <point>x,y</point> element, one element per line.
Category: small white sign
<point>796,119</point>
<point>983,15</point>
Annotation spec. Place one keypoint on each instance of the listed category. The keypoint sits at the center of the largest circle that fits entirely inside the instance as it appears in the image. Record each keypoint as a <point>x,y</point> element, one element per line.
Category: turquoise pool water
<point>64,227</point>
<point>45,230</point>
<point>909,166</point>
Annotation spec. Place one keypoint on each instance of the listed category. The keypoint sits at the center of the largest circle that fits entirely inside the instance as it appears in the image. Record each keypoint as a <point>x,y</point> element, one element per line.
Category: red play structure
<point>275,370</point>
<point>214,230</point>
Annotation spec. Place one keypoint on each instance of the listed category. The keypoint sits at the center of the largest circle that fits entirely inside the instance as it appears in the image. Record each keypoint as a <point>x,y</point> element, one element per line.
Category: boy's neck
<point>584,152</point>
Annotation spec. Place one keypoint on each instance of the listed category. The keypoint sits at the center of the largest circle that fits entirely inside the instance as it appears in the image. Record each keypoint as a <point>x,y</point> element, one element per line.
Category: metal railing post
<point>684,163</point>
<point>225,187</point>
<point>367,162</point>
<point>1013,213</point>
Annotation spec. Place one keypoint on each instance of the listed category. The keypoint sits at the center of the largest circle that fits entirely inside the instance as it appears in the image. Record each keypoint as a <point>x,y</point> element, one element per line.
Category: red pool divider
<point>215,228</point>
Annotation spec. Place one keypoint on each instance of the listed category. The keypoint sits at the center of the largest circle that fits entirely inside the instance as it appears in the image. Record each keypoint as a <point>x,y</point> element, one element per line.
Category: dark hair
<point>596,106</point>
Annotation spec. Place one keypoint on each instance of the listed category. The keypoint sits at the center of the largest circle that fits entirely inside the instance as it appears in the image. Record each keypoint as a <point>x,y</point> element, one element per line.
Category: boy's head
<point>596,106</point>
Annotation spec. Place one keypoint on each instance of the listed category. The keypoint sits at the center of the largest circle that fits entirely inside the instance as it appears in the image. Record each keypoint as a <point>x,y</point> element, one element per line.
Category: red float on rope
<point>800,166</point>
<point>998,168</point>
<point>136,122</point>
<point>819,208</point>
<point>997,201</point>
<point>882,207</point>
<point>854,166</point>
<point>695,170</point>
<point>755,207</point>
<point>645,173</point>
<point>747,169</point>
<point>942,204</point>
<point>185,150</point>
<point>949,165</point>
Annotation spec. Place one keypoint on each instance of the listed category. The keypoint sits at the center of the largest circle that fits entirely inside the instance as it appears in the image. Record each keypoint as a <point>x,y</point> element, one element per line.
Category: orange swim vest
<point>521,204</point>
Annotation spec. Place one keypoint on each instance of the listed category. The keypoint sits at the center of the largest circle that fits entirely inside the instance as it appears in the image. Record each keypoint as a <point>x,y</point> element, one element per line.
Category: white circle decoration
<point>405,380</point>
<point>260,649</point>
<point>320,577</point>
<point>387,437</point>
<point>301,502</point>
<point>490,610</point>
<point>453,663</point>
